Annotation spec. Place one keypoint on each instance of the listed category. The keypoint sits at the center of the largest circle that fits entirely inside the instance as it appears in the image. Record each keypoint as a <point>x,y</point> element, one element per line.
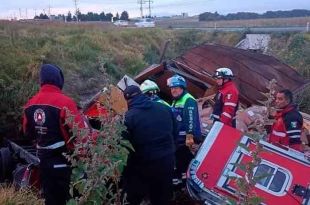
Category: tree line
<point>89,16</point>
<point>209,16</point>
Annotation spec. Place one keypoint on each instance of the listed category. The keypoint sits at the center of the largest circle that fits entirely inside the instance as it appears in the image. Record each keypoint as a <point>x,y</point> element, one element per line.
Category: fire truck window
<point>264,173</point>
<point>277,182</point>
<point>271,178</point>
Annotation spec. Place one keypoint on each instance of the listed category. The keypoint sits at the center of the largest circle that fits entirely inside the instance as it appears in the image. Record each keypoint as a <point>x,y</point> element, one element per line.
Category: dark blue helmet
<point>176,81</point>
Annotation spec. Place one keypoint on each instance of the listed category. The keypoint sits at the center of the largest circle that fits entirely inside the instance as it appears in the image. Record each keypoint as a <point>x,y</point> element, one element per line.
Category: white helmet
<point>225,73</point>
<point>149,85</point>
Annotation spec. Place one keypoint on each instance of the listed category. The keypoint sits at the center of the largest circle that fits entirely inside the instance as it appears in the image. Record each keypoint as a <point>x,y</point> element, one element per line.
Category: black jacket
<point>150,128</point>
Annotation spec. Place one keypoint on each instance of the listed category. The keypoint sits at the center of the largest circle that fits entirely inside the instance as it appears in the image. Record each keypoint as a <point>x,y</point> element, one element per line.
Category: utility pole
<point>49,11</point>
<point>76,9</point>
<point>20,13</point>
<point>141,2</point>
<point>150,1</point>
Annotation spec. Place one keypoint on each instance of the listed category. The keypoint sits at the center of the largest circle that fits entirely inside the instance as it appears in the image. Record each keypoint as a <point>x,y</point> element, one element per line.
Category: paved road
<point>252,29</point>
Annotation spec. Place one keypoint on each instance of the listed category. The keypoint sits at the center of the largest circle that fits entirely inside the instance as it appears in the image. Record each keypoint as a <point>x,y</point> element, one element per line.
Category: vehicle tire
<point>6,164</point>
<point>18,175</point>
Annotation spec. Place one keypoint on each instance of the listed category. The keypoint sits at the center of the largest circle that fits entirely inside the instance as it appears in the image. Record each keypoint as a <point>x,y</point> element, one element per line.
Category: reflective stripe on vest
<point>163,102</point>
<point>53,146</point>
<point>279,134</point>
<point>181,102</point>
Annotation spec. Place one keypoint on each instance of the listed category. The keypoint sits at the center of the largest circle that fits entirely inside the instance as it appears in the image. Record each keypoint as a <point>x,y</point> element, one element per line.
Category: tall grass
<point>10,196</point>
<point>294,49</point>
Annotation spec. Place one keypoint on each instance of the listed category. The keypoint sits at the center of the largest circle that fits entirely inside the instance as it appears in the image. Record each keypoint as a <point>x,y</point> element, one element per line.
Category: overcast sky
<point>23,8</point>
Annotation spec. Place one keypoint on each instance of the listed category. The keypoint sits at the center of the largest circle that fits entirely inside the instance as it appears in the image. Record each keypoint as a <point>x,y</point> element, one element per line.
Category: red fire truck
<point>211,174</point>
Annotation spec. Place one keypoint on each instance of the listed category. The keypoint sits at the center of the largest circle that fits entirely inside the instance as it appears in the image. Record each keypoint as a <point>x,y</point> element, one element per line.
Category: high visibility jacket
<point>44,119</point>
<point>185,110</point>
<point>226,104</point>
<point>286,130</point>
<point>155,98</point>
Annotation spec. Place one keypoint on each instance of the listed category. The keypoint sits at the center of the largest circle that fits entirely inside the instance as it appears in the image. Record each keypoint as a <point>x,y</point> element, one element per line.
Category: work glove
<point>189,140</point>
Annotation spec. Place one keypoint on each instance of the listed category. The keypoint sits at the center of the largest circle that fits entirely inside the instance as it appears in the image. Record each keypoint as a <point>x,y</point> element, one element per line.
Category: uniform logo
<point>39,116</point>
<point>294,124</point>
<point>179,118</point>
<point>229,96</point>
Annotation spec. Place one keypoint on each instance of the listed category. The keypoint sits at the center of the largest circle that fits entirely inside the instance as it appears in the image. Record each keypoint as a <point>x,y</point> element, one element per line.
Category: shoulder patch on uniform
<point>294,124</point>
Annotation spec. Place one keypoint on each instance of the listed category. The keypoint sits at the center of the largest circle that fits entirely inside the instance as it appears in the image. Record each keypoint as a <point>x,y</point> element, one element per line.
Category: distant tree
<point>69,16</point>
<point>41,16</point>
<point>78,14</point>
<point>117,16</point>
<point>102,16</point>
<point>208,16</point>
<point>74,18</point>
<point>109,16</point>
<point>124,15</point>
<point>61,17</point>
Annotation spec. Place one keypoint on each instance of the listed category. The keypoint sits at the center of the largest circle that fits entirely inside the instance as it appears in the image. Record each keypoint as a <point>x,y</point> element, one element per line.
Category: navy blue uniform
<point>150,129</point>
<point>185,110</point>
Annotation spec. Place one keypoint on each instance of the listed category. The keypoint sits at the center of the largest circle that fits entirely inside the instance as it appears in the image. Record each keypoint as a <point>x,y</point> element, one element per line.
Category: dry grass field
<point>194,22</point>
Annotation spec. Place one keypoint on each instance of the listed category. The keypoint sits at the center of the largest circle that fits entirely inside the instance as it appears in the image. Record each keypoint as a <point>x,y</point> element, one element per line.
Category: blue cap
<point>51,74</point>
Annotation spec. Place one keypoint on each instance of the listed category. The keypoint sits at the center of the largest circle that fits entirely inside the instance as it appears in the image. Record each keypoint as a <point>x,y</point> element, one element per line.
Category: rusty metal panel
<point>160,74</point>
<point>253,70</point>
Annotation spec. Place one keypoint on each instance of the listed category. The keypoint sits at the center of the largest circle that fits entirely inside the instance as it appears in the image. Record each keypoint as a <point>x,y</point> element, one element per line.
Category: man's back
<point>151,130</point>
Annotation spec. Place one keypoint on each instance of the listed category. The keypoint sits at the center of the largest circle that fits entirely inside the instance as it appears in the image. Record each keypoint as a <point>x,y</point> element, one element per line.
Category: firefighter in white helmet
<point>151,89</point>
<point>227,97</point>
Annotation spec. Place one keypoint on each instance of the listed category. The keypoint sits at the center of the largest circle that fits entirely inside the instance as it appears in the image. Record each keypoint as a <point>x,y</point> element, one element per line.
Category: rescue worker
<point>226,99</point>
<point>286,130</point>
<point>150,130</point>
<point>44,121</point>
<point>185,109</point>
<point>151,89</point>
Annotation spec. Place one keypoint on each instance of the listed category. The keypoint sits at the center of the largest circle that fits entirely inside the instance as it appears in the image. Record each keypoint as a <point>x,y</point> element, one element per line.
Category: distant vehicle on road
<point>121,23</point>
<point>145,22</point>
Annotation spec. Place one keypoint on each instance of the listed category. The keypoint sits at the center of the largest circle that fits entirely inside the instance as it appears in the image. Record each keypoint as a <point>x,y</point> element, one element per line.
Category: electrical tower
<point>141,2</point>
<point>149,2</point>
<point>76,9</point>
<point>49,12</point>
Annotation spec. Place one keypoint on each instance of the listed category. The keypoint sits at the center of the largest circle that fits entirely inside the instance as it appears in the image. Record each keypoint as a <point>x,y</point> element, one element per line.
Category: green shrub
<point>98,165</point>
